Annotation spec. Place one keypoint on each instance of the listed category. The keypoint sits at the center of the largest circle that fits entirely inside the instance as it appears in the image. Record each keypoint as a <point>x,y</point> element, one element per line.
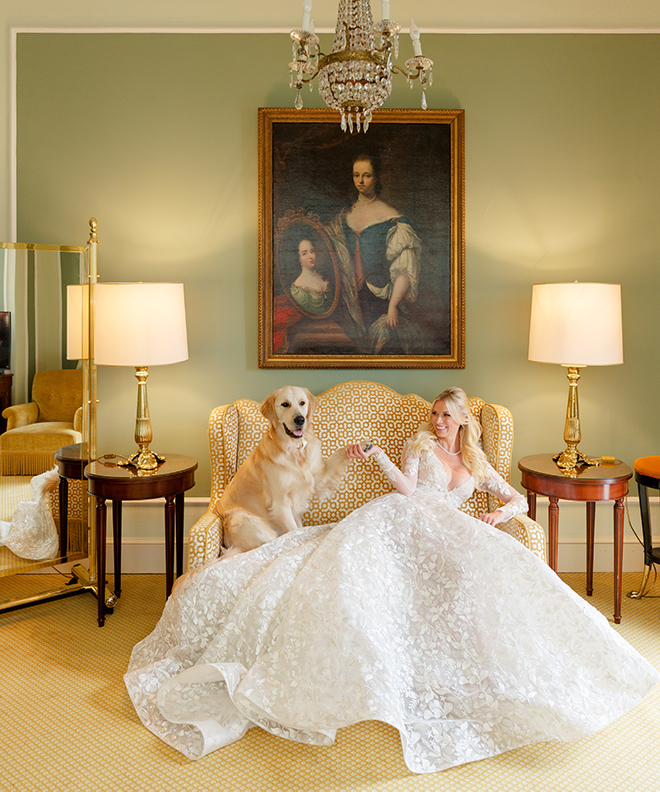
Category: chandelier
<point>356,77</point>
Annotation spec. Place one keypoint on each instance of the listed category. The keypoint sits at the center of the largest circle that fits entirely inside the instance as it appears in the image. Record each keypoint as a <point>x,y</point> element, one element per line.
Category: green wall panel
<point>156,136</point>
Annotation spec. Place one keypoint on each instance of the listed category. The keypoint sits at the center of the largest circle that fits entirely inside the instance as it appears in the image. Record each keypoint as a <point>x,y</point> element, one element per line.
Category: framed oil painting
<point>361,240</point>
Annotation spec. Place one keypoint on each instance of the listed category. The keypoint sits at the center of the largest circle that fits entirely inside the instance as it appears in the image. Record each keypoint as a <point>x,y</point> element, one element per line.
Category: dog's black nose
<point>299,420</point>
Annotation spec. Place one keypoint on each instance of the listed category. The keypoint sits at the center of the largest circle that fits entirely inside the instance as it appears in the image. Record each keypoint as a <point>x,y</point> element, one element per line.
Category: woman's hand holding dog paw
<point>362,450</point>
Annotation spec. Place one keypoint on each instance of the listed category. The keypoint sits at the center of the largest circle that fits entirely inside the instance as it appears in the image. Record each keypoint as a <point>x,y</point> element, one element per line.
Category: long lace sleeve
<point>514,502</point>
<point>404,481</point>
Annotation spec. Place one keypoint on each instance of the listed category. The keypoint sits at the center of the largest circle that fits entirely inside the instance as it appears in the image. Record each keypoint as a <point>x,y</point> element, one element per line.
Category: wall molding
<point>458,31</point>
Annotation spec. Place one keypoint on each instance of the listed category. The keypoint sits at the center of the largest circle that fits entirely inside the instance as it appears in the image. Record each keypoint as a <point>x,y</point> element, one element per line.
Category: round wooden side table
<point>588,483</point>
<point>106,479</point>
<point>70,461</point>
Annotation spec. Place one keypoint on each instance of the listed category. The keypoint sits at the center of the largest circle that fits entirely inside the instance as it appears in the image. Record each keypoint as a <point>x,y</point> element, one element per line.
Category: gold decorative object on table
<point>575,325</point>
<point>356,77</point>
<point>140,325</point>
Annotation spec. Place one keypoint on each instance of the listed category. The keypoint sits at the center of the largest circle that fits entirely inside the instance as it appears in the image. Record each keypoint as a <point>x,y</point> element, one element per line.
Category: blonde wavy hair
<point>469,432</point>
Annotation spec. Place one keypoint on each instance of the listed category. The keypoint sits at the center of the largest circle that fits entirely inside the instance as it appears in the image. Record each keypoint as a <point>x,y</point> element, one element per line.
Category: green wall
<point>156,136</point>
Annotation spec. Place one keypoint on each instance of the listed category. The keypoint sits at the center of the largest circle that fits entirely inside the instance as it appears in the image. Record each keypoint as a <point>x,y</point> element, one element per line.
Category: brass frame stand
<point>82,579</point>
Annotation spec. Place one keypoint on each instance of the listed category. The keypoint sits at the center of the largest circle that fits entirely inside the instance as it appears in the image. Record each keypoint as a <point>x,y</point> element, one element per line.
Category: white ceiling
<point>442,14</point>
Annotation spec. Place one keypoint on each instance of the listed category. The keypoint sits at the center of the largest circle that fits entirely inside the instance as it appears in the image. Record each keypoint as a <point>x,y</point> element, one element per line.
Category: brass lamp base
<point>571,458</point>
<point>143,459</point>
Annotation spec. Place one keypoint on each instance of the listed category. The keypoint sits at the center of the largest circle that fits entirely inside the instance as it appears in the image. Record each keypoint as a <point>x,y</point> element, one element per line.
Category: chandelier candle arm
<point>384,9</point>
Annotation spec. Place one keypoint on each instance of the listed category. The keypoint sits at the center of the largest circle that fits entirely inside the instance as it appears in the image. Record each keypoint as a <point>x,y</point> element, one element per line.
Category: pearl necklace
<point>451,453</point>
<point>366,200</point>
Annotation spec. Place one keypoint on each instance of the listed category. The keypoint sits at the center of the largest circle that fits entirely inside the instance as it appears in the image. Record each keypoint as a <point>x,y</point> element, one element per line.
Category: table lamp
<point>575,325</point>
<point>141,325</point>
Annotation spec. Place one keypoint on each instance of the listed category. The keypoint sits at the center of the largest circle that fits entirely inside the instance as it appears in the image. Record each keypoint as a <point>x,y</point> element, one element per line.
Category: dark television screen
<point>5,340</point>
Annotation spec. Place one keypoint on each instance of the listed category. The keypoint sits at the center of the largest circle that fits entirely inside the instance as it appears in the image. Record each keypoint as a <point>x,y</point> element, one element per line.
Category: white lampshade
<point>139,324</point>
<point>576,324</point>
<point>77,331</point>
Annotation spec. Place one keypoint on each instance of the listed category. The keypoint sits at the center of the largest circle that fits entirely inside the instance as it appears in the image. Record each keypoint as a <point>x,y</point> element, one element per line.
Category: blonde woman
<point>451,437</point>
<point>408,611</point>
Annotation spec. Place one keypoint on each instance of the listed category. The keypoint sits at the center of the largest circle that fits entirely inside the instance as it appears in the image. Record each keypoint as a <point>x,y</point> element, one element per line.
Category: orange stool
<point>647,474</point>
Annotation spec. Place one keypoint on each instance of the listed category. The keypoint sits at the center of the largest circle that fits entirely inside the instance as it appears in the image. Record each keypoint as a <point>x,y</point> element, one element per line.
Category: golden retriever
<point>273,487</point>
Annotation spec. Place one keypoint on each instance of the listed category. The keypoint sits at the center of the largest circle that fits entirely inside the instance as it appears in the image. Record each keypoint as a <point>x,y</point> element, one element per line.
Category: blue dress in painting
<point>370,261</point>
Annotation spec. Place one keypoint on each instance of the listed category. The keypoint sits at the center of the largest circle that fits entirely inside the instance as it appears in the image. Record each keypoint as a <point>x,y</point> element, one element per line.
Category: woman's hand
<point>492,518</point>
<point>355,451</point>
<point>392,316</point>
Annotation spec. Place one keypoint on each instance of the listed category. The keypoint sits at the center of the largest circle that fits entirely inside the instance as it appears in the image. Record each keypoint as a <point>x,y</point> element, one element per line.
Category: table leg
<point>618,557</point>
<point>553,532</point>
<point>179,534</point>
<point>116,543</point>
<point>100,558</point>
<point>531,503</point>
<point>64,516</point>
<point>170,513</point>
<point>591,522</point>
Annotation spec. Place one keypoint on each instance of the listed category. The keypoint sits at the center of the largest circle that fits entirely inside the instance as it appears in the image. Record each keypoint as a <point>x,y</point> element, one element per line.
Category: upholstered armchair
<point>37,429</point>
<point>347,413</point>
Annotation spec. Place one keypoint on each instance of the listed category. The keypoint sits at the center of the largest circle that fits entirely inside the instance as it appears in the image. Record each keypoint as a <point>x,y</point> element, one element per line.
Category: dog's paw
<point>366,445</point>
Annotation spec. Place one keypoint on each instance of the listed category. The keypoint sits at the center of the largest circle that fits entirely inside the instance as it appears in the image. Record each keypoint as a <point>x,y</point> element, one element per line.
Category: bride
<point>407,611</point>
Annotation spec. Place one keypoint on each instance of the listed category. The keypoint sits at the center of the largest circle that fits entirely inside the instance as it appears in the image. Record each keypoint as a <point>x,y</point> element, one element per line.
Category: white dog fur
<point>273,487</point>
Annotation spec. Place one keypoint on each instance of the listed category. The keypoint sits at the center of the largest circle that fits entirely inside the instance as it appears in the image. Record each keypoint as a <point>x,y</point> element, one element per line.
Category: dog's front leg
<point>334,470</point>
<point>283,519</point>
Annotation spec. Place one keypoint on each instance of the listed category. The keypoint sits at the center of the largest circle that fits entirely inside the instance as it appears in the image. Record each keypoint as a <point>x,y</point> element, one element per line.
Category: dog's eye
<point>285,404</point>
<point>302,403</point>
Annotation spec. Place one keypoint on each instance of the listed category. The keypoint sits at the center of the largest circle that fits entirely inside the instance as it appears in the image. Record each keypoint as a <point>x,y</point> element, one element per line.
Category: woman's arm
<point>399,289</point>
<point>404,482</point>
<point>514,502</point>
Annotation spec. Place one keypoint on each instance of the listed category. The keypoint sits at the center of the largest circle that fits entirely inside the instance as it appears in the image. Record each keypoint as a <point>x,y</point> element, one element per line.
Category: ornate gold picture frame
<point>361,240</point>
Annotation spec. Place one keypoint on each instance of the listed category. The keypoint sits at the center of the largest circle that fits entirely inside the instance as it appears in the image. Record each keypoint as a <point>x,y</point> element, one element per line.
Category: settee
<point>347,413</point>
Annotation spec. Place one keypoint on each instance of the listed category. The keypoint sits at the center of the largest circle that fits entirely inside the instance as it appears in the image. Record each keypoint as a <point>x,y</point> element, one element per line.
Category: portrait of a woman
<point>307,290</point>
<point>379,255</point>
<point>310,289</point>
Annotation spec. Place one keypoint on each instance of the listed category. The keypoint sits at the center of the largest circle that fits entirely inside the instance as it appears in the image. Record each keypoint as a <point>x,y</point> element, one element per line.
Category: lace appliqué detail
<point>514,503</point>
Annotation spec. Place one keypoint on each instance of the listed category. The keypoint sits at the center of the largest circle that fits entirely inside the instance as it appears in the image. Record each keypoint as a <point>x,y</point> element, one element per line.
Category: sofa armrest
<point>204,540</point>
<point>77,420</point>
<point>525,530</point>
<point>21,415</point>
<point>497,426</point>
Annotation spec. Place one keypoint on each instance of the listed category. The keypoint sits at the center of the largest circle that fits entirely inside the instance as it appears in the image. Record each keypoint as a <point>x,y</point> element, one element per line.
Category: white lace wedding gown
<point>409,612</point>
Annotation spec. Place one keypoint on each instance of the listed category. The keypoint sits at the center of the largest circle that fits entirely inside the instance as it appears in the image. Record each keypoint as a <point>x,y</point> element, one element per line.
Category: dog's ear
<point>312,401</point>
<point>268,407</point>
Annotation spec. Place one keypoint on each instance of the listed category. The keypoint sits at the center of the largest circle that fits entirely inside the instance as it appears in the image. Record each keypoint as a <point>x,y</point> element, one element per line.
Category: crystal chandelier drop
<point>356,77</point>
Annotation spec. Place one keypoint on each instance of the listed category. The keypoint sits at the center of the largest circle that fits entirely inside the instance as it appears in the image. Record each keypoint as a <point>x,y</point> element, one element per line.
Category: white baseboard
<point>143,545</point>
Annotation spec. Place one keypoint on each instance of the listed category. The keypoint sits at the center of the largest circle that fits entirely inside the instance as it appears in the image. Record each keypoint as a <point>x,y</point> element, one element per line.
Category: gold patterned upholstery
<point>347,413</point>
<point>36,430</point>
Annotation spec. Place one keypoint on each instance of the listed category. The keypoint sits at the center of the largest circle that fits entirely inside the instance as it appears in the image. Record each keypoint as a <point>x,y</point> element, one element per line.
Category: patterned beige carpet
<point>66,722</point>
